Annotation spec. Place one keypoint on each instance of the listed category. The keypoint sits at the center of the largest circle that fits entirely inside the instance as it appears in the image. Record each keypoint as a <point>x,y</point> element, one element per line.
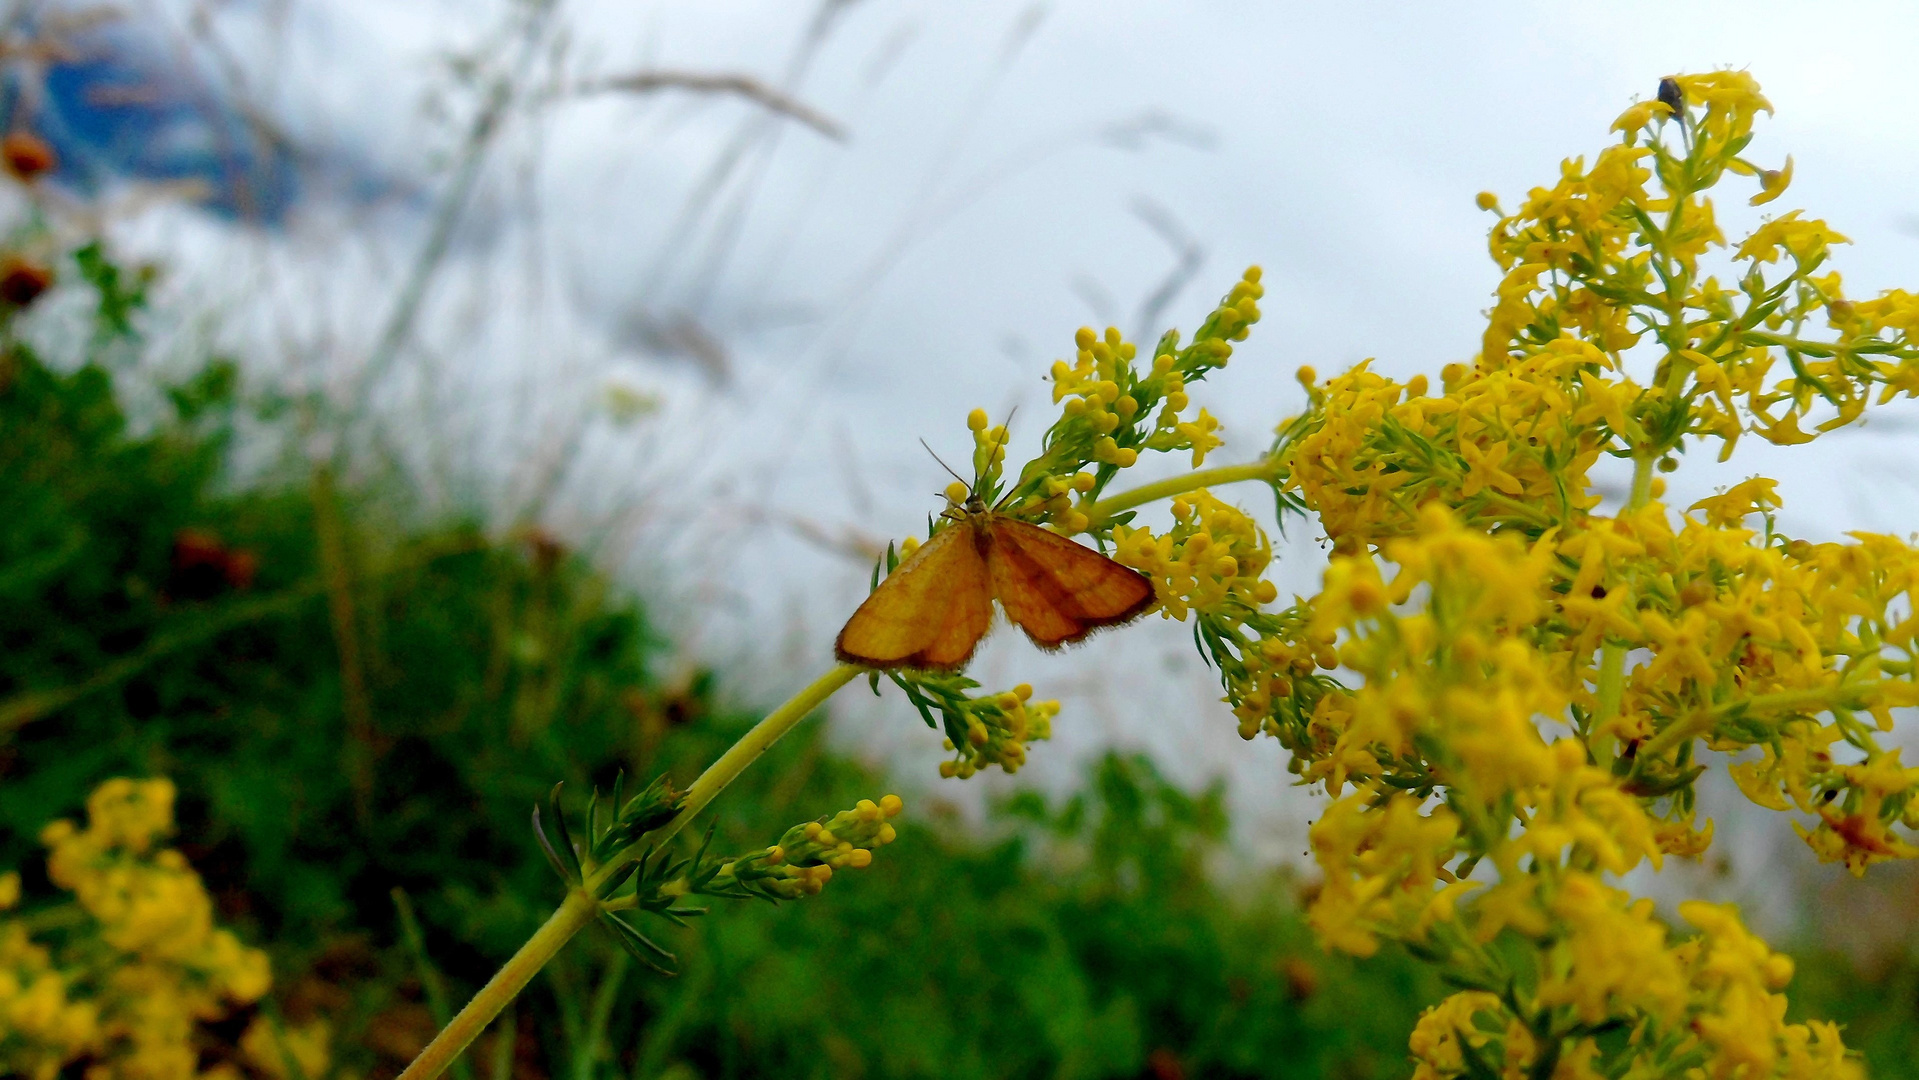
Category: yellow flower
<point>1613,957</point>
<point>288,1052</point>
<point>1773,183</point>
<point>1805,240</point>
<point>148,964</point>
<point>1437,1038</point>
<point>1639,116</point>
<point>1198,434</point>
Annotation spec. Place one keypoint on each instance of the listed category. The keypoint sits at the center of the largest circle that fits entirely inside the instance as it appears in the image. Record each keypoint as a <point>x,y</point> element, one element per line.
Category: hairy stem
<point>1264,469</point>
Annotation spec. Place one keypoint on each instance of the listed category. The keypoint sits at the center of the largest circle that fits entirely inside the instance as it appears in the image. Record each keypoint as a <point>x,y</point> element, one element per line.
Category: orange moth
<point>934,608</point>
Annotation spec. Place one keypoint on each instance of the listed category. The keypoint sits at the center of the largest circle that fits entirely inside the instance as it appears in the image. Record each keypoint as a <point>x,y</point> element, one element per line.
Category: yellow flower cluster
<point>1112,408</point>
<point>997,729</point>
<point>804,860</point>
<point>138,967</point>
<point>1213,555</point>
<point>1711,1007</point>
<point>1488,614</point>
<point>42,1023</point>
<point>1210,566</point>
<point>981,730</point>
<point>283,1051</point>
<point>1451,1033</point>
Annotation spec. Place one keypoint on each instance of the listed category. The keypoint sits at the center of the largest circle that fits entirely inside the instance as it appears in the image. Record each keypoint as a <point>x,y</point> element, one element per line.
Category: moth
<point>933,609</point>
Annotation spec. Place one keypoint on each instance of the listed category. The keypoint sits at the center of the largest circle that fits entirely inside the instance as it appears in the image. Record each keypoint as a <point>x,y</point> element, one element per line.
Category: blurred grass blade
<point>430,978</point>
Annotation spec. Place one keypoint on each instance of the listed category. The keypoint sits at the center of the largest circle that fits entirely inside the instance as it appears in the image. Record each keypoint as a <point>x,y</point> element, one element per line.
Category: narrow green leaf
<point>616,879</point>
<point>593,819</point>
<point>642,948</point>
<point>552,856</point>
<point>567,852</point>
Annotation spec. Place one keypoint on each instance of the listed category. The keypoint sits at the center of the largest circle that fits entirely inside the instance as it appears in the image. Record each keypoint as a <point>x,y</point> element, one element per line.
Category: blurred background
<point>429,402</point>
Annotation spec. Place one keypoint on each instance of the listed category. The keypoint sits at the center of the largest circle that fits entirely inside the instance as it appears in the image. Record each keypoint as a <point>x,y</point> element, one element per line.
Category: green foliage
<point>154,626</point>
<point>120,294</point>
<point>1877,1004</point>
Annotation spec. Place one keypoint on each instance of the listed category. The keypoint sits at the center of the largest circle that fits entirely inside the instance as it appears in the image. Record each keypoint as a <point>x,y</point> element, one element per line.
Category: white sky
<point>944,255</point>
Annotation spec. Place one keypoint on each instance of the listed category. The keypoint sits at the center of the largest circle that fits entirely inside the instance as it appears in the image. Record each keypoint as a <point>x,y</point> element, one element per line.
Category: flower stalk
<point>1267,469</point>
<point>573,915</point>
<point>580,907</point>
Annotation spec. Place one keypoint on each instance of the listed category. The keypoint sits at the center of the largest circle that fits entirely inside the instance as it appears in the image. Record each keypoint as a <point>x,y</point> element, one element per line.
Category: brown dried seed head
<point>22,282</point>
<point>27,156</point>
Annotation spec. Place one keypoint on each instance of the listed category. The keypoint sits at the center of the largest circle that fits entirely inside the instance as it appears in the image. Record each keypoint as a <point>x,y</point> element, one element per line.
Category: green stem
<point>1681,731</point>
<point>1612,657</point>
<point>1813,699</point>
<point>1641,483</point>
<point>581,909</point>
<point>573,915</point>
<point>1103,510</point>
<point>737,757</point>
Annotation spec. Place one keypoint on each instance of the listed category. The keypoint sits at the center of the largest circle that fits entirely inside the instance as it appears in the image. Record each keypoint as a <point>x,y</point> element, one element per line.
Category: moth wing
<point>1059,591</point>
<point>930,612</point>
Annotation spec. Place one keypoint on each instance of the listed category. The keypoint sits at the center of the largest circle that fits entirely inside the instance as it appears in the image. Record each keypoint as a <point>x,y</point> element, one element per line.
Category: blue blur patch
<point>120,107</point>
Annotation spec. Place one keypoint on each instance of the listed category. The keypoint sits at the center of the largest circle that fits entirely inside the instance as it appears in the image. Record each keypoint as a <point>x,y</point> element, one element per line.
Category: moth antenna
<point>1006,435</point>
<point>944,465</point>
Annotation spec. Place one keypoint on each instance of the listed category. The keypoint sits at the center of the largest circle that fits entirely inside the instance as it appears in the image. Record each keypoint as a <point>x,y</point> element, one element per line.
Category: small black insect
<point>1672,97</point>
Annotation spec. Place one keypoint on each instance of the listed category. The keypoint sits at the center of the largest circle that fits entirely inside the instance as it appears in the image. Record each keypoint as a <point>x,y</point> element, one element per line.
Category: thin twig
<point>480,137</point>
<point>746,86</point>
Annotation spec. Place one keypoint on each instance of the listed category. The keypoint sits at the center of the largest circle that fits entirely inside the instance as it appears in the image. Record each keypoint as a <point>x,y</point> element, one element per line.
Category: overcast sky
<point>1010,172</point>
